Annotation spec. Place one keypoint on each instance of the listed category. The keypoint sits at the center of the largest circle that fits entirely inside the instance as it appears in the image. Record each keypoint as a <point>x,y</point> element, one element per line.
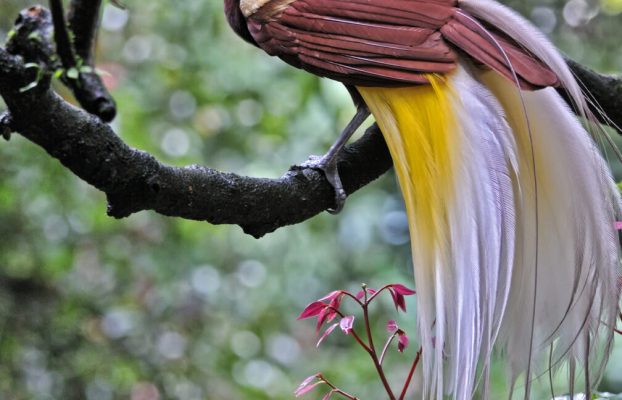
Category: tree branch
<point>83,21</point>
<point>134,180</point>
<point>64,47</point>
<point>605,91</point>
<point>88,88</point>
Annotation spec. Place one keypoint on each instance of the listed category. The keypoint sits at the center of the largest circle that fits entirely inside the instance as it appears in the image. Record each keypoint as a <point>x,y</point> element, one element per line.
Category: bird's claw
<point>329,168</point>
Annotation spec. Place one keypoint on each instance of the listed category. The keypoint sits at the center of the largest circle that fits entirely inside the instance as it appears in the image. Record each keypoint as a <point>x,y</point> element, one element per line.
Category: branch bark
<point>88,88</point>
<point>134,180</point>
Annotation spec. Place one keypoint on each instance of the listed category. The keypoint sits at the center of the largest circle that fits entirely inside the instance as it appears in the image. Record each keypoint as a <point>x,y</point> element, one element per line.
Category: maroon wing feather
<point>484,45</point>
<point>386,42</point>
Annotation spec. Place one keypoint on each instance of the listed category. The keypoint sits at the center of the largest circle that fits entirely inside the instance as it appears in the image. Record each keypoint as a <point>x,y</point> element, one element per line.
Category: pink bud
<point>305,386</point>
<point>392,326</point>
<point>402,341</point>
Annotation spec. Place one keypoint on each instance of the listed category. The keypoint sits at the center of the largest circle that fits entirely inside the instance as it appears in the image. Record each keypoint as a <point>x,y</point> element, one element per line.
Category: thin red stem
<point>410,374</point>
<point>373,296</point>
<point>619,332</point>
<point>353,297</point>
<point>370,338</point>
<point>386,346</point>
<point>354,334</point>
<point>383,378</point>
<point>373,354</point>
<point>360,341</point>
<point>346,395</point>
<point>336,389</point>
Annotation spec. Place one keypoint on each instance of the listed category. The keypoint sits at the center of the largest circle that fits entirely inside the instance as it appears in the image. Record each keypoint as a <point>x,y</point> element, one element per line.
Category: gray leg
<point>328,162</point>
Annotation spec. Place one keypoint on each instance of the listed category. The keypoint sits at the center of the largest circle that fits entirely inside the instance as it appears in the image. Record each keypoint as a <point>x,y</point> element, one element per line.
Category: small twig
<point>374,356</point>
<point>373,296</point>
<point>410,374</point>
<point>386,347</point>
<point>83,19</point>
<point>64,47</point>
<point>336,389</point>
<point>86,85</point>
<point>350,295</point>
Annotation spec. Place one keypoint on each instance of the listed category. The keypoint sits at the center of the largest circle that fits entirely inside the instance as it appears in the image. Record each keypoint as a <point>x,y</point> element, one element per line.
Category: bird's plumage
<point>511,207</point>
<point>385,42</point>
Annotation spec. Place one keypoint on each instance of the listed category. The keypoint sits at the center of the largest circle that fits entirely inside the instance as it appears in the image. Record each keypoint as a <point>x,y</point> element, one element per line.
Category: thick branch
<point>133,180</point>
<point>605,91</point>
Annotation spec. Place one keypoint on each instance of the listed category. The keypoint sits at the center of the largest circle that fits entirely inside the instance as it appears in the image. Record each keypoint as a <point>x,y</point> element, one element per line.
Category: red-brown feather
<point>387,42</point>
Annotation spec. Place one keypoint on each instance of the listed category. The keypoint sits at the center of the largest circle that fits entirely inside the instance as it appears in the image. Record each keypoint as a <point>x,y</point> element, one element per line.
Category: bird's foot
<point>328,165</point>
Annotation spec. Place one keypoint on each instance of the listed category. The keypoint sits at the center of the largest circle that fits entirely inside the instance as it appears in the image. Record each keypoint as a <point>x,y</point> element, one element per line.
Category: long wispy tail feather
<point>467,168</point>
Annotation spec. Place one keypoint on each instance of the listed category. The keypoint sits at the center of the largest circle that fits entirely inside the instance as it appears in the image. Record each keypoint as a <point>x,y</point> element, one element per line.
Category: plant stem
<point>386,346</point>
<point>373,296</point>
<point>353,297</point>
<point>370,338</point>
<point>410,374</point>
<point>360,341</point>
<point>337,390</point>
<point>354,334</point>
<point>374,355</point>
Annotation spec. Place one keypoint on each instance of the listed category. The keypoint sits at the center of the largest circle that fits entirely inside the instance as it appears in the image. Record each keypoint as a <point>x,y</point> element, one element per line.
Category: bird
<point>511,206</point>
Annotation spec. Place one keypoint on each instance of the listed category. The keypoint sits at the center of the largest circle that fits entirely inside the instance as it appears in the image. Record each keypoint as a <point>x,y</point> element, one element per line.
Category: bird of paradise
<point>511,206</point>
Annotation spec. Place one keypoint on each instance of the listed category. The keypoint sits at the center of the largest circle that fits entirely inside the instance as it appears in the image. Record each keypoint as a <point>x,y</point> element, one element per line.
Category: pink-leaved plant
<point>327,311</point>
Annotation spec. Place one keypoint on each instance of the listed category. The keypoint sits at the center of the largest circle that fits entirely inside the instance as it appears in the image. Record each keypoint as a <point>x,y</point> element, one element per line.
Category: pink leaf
<point>312,310</point>
<point>392,326</point>
<point>304,385</point>
<point>326,315</point>
<point>346,324</point>
<point>306,389</point>
<point>335,303</point>
<point>326,333</point>
<point>402,341</point>
<point>398,300</point>
<point>401,289</point>
<point>332,295</point>
<point>618,225</point>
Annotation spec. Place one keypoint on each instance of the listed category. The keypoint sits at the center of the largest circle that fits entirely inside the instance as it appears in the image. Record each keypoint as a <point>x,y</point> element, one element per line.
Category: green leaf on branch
<point>73,73</point>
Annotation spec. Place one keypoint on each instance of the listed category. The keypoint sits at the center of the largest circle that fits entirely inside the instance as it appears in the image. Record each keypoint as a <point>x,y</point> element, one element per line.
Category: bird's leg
<point>328,162</point>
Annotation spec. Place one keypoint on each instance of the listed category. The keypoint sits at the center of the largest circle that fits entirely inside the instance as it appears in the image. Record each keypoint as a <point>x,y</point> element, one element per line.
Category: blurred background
<point>151,307</point>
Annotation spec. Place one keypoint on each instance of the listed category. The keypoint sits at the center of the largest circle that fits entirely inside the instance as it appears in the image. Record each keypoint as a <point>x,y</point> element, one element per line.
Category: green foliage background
<point>152,307</point>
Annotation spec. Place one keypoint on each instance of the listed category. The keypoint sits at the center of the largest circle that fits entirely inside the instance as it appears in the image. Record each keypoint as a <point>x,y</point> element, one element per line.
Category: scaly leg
<point>328,162</point>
